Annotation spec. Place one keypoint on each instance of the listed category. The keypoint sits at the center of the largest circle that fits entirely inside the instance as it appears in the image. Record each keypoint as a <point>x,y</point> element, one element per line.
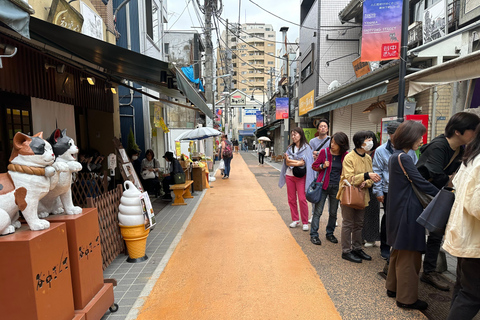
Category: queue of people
<point>393,178</point>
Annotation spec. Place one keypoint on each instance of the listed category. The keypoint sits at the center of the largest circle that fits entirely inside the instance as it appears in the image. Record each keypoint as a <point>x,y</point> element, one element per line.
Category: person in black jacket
<point>404,235</point>
<point>438,160</point>
<point>175,167</point>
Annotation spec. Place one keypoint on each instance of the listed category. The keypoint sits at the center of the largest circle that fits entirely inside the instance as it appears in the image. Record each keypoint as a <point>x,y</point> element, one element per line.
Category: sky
<point>249,13</point>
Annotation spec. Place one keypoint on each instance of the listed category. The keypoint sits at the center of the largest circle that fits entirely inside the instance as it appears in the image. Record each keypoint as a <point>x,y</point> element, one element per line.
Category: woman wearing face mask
<point>137,164</point>
<point>404,235</point>
<point>357,170</point>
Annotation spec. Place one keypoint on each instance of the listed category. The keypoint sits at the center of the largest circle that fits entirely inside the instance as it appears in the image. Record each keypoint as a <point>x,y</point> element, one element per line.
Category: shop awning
<point>459,69</point>
<point>115,62</point>
<point>354,97</point>
<point>262,131</point>
<point>192,94</point>
<point>16,15</point>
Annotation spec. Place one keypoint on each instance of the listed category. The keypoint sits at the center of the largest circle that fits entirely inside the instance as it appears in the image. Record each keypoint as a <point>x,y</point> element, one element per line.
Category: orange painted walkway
<point>238,260</point>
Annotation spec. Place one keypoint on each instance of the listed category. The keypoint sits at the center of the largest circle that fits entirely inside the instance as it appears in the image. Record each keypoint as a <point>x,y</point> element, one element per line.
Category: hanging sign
<point>306,103</point>
<point>259,119</point>
<point>381,30</point>
<point>281,108</point>
<point>163,125</point>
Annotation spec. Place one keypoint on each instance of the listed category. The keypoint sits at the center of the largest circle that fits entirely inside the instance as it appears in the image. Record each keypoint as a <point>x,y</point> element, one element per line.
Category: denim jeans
<point>227,161</point>
<point>331,193</point>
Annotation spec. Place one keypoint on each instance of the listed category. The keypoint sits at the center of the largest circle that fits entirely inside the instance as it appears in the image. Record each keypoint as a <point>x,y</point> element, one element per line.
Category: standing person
<point>150,168</point>
<point>329,164</point>
<point>254,148</point>
<point>322,140</point>
<point>357,170</point>
<point>380,189</point>
<point>298,157</point>
<point>371,221</point>
<point>438,160</point>
<point>227,155</point>
<point>261,152</point>
<point>175,167</point>
<point>404,235</point>
<point>462,235</point>
<point>246,146</point>
<point>235,144</point>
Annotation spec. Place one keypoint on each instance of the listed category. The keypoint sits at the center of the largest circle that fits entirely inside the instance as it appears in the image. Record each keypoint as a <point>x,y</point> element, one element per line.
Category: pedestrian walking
<point>371,221</point>
<point>380,188</point>
<point>329,167</point>
<point>438,160</point>
<point>235,145</point>
<point>462,235</point>
<point>297,174</point>
<point>246,146</point>
<point>404,235</point>
<point>322,140</point>
<point>227,155</point>
<point>254,146</point>
<point>261,152</point>
<point>357,171</point>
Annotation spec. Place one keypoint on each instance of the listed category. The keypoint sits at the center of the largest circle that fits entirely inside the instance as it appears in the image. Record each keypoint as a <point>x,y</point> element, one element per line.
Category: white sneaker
<point>369,244</point>
<point>294,224</point>
<point>305,227</point>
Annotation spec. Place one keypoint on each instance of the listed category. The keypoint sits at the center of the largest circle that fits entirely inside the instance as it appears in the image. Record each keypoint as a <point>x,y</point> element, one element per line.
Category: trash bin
<point>267,152</point>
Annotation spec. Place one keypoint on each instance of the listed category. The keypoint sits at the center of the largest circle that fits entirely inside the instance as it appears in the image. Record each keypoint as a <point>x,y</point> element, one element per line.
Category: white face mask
<point>134,157</point>
<point>368,146</point>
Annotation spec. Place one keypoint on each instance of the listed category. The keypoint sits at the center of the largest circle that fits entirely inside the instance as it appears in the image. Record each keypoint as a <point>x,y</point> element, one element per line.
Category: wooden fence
<point>110,236</point>
<point>88,185</point>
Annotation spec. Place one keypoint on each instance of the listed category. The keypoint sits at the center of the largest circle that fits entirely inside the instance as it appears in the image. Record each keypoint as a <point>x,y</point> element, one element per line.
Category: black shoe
<point>331,238</point>
<point>391,294</point>
<point>316,240</point>
<point>362,255</point>
<point>418,305</point>
<point>436,280</point>
<point>351,257</point>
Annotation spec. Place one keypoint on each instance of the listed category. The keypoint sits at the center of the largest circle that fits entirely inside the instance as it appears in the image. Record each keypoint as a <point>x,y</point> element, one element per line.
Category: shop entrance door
<point>15,116</point>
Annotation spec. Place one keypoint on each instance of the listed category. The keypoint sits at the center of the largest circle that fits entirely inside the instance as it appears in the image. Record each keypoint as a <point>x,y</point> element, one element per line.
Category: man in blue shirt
<point>380,189</point>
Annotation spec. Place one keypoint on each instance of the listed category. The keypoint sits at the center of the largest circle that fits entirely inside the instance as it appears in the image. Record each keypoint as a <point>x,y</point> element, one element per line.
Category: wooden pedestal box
<point>35,276</point>
<point>85,254</point>
<point>100,303</point>
<point>198,176</point>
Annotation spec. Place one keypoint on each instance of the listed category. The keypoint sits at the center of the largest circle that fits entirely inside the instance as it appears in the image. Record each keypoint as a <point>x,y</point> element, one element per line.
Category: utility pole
<point>286,136</point>
<point>403,61</point>
<point>271,90</point>
<point>228,54</point>
<point>209,76</point>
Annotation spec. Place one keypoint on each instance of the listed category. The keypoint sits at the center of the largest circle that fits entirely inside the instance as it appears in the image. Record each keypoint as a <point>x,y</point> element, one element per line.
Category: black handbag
<point>435,216</point>
<point>179,178</point>
<point>314,191</point>
<point>299,172</point>
<point>424,198</point>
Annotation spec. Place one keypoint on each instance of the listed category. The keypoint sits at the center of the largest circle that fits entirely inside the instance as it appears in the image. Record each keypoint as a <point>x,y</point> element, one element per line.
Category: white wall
<point>49,115</point>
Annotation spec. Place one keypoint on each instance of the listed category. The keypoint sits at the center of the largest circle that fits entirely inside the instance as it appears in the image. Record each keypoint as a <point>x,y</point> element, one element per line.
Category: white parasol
<point>264,139</point>
<point>198,134</point>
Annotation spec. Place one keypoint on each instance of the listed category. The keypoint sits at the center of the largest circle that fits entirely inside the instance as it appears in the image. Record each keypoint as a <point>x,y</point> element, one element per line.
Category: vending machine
<point>423,118</point>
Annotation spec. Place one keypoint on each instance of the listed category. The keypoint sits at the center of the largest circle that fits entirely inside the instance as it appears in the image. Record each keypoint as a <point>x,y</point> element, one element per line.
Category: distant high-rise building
<point>252,49</point>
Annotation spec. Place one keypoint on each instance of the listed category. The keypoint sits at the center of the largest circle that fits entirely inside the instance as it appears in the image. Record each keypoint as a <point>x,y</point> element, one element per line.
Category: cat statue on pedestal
<point>26,182</point>
<point>59,199</point>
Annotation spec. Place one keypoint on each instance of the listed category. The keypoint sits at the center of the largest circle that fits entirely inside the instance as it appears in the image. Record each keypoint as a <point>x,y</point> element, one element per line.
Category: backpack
<point>227,152</point>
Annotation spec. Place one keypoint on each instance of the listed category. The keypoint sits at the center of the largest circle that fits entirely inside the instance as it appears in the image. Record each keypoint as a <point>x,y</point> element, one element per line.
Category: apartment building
<point>251,55</point>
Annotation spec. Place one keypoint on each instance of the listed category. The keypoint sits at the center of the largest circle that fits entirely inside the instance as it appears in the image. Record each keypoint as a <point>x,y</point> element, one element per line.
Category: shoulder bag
<point>424,198</point>
<point>353,196</point>
<point>319,148</point>
<point>435,216</point>
<point>314,191</point>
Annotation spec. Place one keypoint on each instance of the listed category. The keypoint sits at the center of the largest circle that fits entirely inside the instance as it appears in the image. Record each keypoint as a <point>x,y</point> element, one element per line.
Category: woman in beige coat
<point>462,235</point>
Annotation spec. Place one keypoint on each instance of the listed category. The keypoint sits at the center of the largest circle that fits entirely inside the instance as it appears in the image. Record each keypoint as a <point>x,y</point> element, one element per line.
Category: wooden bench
<point>181,191</point>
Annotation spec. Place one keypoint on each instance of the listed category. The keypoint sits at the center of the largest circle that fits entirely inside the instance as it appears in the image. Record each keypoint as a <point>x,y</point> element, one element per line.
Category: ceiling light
<point>90,80</point>
<point>59,68</point>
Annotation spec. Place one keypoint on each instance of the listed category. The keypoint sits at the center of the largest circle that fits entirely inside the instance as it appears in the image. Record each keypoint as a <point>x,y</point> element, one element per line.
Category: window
<point>151,14</point>
<point>271,36</point>
<point>307,71</point>
<point>244,81</point>
<point>270,62</point>
<point>166,48</point>
<point>244,63</point>
<point>270,44</point>
<point>267,29</point>
<point>244,89</point>
<point>244,54</point>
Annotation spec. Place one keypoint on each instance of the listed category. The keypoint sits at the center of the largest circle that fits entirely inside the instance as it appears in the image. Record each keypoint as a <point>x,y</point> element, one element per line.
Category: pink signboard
<point>281,107</point>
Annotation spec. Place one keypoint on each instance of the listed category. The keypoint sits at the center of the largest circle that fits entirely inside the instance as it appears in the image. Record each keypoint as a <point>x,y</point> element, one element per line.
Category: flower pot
<point>136,240</point>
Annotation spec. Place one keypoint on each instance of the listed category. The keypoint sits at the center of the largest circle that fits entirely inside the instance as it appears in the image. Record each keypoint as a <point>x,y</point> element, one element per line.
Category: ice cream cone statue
<point>132,223</point>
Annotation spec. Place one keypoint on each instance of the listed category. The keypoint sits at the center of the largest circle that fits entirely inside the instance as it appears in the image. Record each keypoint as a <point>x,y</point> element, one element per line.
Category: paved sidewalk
<point>132,278</point>
<point>237,260</point>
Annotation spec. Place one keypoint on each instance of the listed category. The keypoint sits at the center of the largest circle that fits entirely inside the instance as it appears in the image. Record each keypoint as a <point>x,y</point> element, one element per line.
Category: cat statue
<point>59,199</point>
<point>26,182</point>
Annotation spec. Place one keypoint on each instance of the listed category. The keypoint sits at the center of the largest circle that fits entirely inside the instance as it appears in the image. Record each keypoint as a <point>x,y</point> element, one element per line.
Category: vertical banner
<point>157,115</point>
<point>381,30</point>
<point>259,119</point>
<point>178,149</point>
<point>281,108</point>
<point>306,103</point>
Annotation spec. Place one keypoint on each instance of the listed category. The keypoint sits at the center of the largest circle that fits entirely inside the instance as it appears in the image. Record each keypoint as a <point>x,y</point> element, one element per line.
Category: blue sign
<point>250,112</point>
<point>246,132</point>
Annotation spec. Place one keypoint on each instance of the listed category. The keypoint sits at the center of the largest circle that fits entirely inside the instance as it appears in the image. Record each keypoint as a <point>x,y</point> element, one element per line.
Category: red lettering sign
<point>390,50</point>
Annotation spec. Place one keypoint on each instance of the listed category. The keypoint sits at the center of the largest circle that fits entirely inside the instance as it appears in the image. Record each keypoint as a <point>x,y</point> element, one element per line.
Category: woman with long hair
<point>462,235</point>
<point>329,166</point>
<point>404,235</point>
<point>357,171</point>
<point>297,173</point>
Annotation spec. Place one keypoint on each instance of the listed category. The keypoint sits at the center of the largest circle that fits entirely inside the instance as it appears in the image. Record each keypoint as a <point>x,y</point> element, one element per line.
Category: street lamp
<point>263,98</point>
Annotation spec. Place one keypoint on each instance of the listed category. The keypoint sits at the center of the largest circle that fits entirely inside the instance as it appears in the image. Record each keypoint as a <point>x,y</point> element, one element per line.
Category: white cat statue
<point>26,182</point>
<point>59,199</point>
